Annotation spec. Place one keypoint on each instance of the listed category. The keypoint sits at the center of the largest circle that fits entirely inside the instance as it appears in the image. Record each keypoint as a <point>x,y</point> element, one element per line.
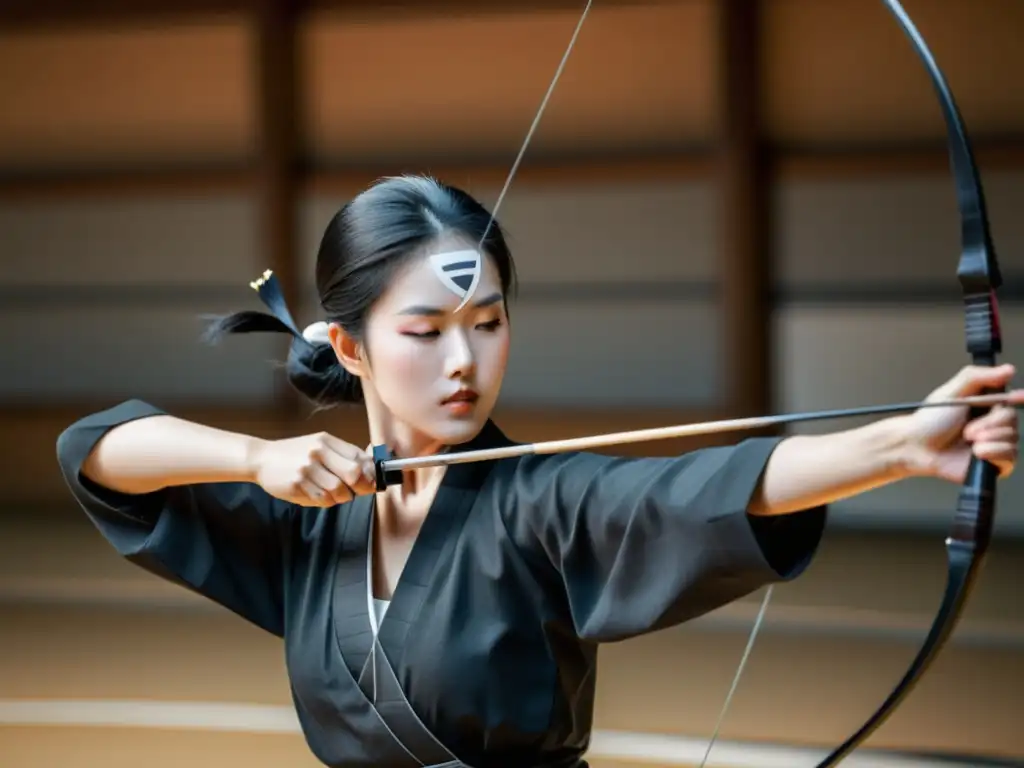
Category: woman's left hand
<point>941,441</point>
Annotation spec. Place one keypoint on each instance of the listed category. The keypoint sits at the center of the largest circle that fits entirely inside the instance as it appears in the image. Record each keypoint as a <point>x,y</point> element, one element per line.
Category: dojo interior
<point>728,209</point>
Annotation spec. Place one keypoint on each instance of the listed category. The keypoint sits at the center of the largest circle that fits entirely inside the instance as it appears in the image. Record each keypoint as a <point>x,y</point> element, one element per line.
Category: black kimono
<point>486,656</point>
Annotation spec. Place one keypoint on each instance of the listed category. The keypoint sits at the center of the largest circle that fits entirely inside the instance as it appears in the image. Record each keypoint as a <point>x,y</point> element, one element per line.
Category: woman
<point>454,618</point>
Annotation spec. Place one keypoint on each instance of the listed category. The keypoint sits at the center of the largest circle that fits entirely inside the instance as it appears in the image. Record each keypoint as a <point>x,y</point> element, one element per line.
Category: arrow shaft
<point>592,442</point>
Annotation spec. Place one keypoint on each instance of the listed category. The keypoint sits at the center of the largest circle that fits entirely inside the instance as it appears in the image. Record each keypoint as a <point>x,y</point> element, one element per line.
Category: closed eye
<point>491,325</point>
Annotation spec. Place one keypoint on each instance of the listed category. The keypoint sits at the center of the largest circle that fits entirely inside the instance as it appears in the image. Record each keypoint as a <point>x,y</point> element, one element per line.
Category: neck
<point>404,442</point>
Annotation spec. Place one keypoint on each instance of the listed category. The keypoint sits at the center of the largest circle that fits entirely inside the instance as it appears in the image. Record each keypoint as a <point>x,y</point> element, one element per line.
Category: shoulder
<point>549,478</point>
<point>544,495</point>
<point>563,476</point>
<point>536,493</point>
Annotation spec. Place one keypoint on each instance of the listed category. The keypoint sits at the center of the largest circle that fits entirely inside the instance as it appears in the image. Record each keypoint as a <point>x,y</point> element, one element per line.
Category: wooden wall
<point>729,207</point>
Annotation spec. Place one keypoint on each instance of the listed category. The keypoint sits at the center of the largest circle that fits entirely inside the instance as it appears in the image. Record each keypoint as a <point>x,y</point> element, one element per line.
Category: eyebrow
<point>420,309</point>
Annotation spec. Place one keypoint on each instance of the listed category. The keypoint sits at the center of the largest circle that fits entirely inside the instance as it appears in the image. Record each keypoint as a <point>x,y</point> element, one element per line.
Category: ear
<point>348,350</point>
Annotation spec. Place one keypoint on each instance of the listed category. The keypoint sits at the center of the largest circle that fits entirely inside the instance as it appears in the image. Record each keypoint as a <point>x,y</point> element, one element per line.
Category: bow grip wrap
<point>384,477</point>
<point>971,529</point>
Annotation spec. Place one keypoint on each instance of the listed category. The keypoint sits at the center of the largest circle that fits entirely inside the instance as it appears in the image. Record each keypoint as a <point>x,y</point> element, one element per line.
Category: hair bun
<point>314,370</point>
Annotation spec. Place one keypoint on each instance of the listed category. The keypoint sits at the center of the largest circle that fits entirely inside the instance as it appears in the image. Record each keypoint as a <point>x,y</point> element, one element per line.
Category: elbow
<point>104,497</point>
<point>71,458</point>
<point>84,453</point>
<point>758,505</point>
<point>77,453</point>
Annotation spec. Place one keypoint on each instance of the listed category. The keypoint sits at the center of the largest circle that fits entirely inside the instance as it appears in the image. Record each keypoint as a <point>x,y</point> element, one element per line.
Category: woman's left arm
<point>813,470</point>
<point>641,544</point>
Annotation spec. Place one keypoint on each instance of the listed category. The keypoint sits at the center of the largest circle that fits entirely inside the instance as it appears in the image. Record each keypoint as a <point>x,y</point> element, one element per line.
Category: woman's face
<point>438,371</point>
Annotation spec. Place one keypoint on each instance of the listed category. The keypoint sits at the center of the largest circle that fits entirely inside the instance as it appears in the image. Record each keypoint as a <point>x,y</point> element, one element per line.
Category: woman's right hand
<point>313,470</point>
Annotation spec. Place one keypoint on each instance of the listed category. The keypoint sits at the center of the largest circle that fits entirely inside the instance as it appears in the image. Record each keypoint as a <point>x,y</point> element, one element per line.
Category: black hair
<point>363,246</point>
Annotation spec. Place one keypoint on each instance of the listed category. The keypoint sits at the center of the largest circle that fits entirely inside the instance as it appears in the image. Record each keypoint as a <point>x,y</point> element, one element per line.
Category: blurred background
<point>730,208</point>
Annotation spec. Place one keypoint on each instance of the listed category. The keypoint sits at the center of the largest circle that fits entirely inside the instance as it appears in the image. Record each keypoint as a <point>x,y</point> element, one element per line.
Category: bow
<point>979,276</point>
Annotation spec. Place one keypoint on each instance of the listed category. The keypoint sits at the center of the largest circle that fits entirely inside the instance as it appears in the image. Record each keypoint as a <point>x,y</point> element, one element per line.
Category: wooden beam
<point>447,9</point>
<point>113,183</point>
<point>695,164</point>
<point>785,163</point>
<point>277,161</point>
<point>17,15</point>
<point>991,154</point>
<point>484,6</point>
<point>745,218</point>
<point>70,13</point>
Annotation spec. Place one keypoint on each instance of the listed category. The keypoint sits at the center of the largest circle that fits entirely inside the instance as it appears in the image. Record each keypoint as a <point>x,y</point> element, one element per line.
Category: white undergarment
<point>380,607</point>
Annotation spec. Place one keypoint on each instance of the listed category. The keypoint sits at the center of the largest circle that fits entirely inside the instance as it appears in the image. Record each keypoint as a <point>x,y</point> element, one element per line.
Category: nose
<point>460,360</point>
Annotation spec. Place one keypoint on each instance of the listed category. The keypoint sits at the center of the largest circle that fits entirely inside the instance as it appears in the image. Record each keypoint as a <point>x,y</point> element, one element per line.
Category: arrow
<point>592,442</point>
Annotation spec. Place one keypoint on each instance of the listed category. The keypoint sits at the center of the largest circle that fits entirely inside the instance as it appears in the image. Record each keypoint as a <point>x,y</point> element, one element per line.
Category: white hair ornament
<point>317,333</point>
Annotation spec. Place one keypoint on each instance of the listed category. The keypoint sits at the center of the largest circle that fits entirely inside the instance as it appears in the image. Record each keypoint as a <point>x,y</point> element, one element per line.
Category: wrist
<point>903,454</point>
<point>252,454</point>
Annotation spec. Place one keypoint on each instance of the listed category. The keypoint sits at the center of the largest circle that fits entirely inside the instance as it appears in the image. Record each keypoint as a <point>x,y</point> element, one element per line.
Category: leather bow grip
<point>972,524</point>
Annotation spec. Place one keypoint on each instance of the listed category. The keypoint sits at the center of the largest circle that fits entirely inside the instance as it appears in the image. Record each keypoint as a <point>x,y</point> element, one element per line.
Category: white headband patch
<point>459,271</point>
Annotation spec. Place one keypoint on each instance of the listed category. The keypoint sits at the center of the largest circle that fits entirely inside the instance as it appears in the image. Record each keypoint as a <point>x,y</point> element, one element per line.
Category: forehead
<point>439,275</point>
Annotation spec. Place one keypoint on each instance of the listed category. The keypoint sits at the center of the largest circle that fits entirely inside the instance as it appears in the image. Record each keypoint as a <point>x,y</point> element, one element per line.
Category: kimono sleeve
<point>641,544</point>
<point>224,541</point>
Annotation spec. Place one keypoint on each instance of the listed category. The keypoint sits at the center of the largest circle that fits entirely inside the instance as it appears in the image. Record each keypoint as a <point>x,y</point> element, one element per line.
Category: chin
<point>452,431</point>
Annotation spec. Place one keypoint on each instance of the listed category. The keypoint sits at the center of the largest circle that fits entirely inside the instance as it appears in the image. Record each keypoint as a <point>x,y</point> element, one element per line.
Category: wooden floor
<point>78,623</point>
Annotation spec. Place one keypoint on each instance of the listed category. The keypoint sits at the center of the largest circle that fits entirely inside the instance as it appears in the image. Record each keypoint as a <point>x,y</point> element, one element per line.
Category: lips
<point>462,396</point>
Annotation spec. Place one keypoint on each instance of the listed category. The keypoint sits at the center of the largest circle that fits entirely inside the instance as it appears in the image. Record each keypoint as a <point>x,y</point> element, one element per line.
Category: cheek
<point>404,363</point>
<point>494,353</point>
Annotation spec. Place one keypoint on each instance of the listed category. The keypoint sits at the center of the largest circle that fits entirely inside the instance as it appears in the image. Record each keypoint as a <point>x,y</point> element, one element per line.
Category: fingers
<point>994,435</point>
<point>356,467</point>
<point>355,470</point>
<point>324,488</point>
<point>332,486</point>
<point>975,379</point>
<point>998,418</point>
<point>316,470</point>
<point>1002,454</point>
<point>339,470</point>
<point>315,496</point>
<point>995,438</point>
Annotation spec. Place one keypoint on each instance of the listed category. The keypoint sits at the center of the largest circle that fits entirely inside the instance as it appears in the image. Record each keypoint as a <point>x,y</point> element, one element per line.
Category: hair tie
<point>317,333</point>
<point>270,292</point>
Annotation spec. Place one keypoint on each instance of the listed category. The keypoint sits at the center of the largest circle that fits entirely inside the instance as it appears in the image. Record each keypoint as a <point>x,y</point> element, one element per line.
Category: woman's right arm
<point>148,454</point>
<point>207,509</point>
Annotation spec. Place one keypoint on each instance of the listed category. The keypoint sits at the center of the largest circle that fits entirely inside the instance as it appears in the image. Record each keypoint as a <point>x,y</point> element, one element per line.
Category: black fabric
<point>522,568</point>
